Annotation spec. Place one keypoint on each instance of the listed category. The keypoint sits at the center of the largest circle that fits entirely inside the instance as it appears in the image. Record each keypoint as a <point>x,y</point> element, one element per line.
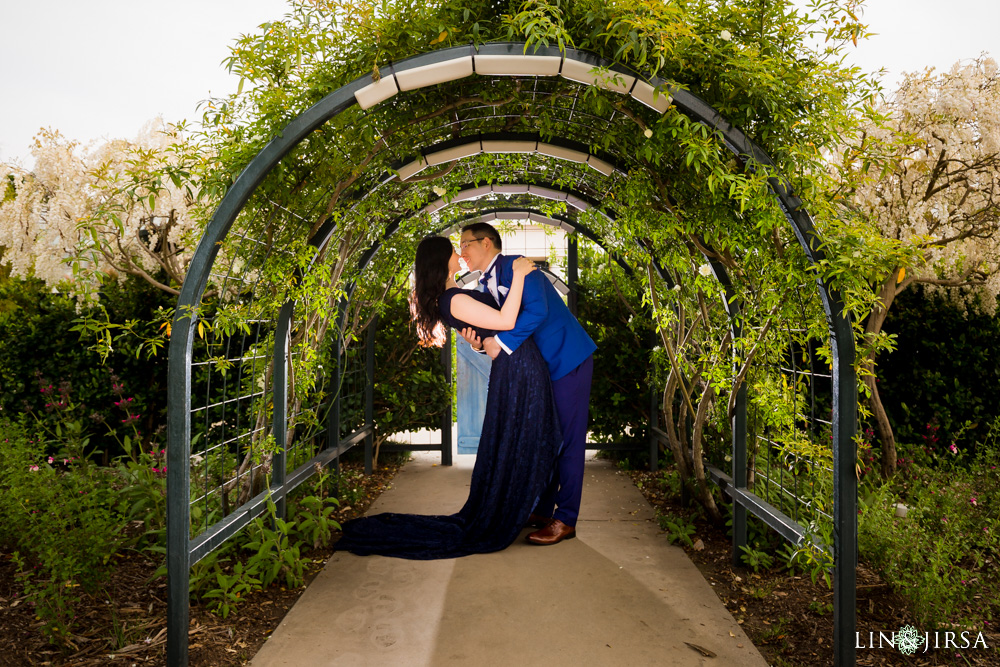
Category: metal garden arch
<point>430,69</point>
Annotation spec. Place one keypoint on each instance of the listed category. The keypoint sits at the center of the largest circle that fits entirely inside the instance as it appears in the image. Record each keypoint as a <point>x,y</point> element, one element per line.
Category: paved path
<point>616,595</point>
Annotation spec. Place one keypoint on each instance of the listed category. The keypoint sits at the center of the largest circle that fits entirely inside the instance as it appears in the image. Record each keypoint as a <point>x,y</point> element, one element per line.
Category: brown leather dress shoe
<point>554,533</point>
<point>537,521</point>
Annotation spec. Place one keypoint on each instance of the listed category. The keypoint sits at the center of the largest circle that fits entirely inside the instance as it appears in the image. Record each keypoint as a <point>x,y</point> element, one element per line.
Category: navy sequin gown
<point>519,443</point>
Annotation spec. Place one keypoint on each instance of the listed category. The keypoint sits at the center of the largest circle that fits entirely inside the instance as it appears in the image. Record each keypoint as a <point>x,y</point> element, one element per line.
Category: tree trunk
<point>671,428</point>
<point>704,492</point>
<point>885,434</point>
<point>876,320</point>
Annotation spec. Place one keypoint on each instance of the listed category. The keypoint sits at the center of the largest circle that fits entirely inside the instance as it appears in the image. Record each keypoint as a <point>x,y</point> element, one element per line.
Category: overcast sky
<point>914,34</point>
<point>97,69</point>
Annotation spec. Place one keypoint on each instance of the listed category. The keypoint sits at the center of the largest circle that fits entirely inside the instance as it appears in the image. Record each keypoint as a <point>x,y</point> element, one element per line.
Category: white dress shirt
<point>495,290</point>
<point>491,283</point>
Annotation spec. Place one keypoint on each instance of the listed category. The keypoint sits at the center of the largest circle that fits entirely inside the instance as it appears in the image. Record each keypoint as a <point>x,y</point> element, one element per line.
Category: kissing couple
<point>529,466</point>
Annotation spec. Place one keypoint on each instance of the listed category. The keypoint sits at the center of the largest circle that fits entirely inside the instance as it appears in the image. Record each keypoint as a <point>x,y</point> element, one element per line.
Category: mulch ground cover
<point>788,617</point>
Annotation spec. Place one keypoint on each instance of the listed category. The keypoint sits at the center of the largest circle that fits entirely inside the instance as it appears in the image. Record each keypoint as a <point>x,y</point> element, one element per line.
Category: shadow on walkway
<point>616,595</point>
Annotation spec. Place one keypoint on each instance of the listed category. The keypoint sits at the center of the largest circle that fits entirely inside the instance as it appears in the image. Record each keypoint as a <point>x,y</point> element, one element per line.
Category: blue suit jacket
<point>560,338</point>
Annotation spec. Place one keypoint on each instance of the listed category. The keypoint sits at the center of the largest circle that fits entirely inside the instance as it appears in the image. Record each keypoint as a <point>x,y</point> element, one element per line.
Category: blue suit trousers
<point>572,394</point>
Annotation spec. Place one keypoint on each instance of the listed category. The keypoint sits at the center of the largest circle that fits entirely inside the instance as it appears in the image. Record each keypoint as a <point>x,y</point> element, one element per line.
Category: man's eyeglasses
<point>465,244</point>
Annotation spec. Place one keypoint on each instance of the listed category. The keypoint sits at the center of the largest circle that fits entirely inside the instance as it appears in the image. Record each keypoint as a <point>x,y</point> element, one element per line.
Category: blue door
<point>473,382</point>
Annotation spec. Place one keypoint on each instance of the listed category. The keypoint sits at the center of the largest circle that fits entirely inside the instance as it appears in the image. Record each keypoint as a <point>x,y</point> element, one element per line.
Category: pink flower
<point>972,500</point>
<point>33,468</point>
<point>952,448</point>
<point>51,460</point>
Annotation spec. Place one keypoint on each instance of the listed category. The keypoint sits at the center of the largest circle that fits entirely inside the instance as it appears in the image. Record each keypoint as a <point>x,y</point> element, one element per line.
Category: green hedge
<point>411,391</point>
<point>610,309</point>
<point>944,372</point>
<point>39,346</point>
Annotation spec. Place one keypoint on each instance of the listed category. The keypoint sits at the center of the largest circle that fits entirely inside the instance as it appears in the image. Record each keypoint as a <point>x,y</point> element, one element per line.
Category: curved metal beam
<point>563,222</point>
<point>505,143</point>
<point>470,191</point>
<point>496,143</point>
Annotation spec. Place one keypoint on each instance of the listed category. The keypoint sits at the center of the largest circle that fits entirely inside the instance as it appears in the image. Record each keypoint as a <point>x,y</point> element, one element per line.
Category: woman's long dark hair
<point>430,270</point>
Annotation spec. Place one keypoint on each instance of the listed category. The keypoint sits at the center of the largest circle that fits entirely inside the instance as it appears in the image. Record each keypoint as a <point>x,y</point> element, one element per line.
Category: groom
<point>569,353</point>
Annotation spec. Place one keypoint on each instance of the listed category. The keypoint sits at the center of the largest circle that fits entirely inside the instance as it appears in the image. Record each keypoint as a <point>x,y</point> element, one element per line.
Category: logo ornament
<point>908,639</point>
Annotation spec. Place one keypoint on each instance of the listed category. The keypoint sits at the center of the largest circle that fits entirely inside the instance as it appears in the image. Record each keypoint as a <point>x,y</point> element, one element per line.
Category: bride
<point>520,436</point>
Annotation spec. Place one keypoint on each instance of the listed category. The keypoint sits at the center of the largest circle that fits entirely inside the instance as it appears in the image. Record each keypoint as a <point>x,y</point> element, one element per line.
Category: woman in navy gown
<point>520,437</point>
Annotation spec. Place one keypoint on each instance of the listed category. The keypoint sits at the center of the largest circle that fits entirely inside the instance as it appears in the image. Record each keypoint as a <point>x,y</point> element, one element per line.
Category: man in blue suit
<point>569,353</point>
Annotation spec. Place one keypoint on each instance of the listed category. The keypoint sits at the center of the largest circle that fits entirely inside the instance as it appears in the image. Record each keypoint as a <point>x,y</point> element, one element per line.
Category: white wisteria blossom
<point>115,208</point>
<point>926,174</point>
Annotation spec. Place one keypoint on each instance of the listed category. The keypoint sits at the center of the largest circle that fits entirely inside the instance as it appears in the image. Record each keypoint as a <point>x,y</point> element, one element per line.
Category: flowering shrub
<point>64,517</point>
<point>63,521</point>
<point>942,554</point>
<point>922,170</point>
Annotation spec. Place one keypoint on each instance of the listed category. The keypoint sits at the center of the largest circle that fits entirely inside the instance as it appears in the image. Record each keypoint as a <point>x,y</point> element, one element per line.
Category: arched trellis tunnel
<point>252,403</point>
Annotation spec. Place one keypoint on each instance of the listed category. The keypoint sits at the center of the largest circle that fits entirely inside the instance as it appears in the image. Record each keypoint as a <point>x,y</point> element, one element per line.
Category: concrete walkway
<point>616,595</point>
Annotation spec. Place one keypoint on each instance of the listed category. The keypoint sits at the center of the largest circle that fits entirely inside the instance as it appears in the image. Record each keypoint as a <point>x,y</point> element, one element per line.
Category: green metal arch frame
<point>499,59</point>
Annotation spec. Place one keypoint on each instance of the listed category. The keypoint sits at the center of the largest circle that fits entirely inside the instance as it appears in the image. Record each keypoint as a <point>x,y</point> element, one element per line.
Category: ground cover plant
<point>932,532</point>
<point>82,582</point>
<point>785,606</point>
<point>928,549</point>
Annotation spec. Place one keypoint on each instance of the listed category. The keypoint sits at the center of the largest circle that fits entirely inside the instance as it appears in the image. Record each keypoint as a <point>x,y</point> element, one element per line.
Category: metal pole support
<point>370,396</point>
<point>572,272</point>
<point>739,474</point>
<point>279,428</point>
<point>446,420</point>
